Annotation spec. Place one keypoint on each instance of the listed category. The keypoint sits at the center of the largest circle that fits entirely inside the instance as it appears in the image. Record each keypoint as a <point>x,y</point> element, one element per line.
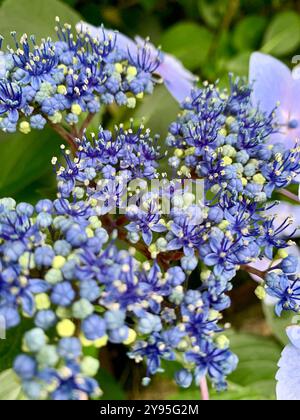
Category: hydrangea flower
<point>288,375</point>
<point>276,89</point>
<point>177,79</point>
<point>92,267</point>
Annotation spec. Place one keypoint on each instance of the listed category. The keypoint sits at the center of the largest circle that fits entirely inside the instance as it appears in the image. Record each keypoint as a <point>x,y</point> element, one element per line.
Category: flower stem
<point>204,389</point>
<point>64,134</point>
<point>290,195</point>
<point>255,271</point>
<point>85,124</point>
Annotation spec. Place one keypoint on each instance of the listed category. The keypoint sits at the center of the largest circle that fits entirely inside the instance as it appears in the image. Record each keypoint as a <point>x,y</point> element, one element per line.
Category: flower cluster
<point>58,81</point>
<point>110,260</point>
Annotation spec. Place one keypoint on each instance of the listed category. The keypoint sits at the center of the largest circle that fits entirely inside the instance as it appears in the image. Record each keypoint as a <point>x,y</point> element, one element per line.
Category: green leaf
<point>34,17</point>
<point>10,387</point>
<point>11,347</point>
<point>212,11</point>
<point>244,37</point>
<point>189,42</point>
<point>148,4</point>
<point>258,359</point>
<point>278,324</point>
<point>283,35</point>
<point>239,65</point>
<point>24,159</point>
<point>112,390</point>
<point>158,111</point>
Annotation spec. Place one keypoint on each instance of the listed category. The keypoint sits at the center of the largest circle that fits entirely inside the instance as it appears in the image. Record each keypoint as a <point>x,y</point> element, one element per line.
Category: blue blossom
<point>184,378</point>
<point>93,327</point>
<point>11,100</point>
<point>288,374</point>
<point>212,361</point>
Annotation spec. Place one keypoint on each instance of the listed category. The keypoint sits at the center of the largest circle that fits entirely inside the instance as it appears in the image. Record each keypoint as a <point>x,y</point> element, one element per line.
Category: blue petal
<point>288,376</point>
<point>272,83</point>
<point>293,332</point>
<point>38,286</point>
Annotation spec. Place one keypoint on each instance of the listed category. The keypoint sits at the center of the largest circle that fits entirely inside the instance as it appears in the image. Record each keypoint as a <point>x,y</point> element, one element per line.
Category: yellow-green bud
<point>42,302</point>
<point>119,68</point>
<point>62,90</point>
<point>222,342</point>
<point>131,338</point>
<point>58,262</point>
<point>89,366</point>
<point>260,292</point>
<point>56,118</point>
<point>259,179</point>
<point>24,127</point>
<point>76,109</point>
<point>66,328</point>
<point>131,103</point>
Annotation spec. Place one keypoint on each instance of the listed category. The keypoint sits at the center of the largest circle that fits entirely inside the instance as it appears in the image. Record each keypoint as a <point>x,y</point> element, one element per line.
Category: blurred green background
<point>212,38</point>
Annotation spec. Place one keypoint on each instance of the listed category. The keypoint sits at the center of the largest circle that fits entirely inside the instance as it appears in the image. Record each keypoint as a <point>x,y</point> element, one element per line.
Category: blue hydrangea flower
<point>288,388</point>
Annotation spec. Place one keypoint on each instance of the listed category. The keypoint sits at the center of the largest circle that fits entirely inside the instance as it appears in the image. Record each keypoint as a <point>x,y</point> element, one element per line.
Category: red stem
<point>254,271</point>
<point>204,389</point>
<point>290,195</point>
<point>65,135</point>
<point>85,124</point>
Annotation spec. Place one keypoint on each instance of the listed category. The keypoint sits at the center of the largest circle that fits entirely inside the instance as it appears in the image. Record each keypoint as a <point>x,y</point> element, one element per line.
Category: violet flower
<point>178,80</point>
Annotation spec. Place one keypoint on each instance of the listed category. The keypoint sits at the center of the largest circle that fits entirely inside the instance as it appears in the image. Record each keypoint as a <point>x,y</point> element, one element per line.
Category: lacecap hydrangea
<point>90,269</point>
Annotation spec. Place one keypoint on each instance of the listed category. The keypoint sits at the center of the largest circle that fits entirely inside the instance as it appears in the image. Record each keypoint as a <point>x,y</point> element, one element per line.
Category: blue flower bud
<point>94,327</point>
<point>25,367</point>
<point>69,348</point>
<point>114,319</point>
<point>45,319</point>
<point>35,339</point>
<point>184,378</point>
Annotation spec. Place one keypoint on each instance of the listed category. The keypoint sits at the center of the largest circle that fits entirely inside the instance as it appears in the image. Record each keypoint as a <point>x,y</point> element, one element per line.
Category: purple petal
<point>123,42</point>
<point>272,83</point>
<point>282,211</point>
<point>174,245</point>
<point>147,237</point>
<point>178,80</point>
<point>293,332</point>
<point>288,376</point>
<point>211,259</point>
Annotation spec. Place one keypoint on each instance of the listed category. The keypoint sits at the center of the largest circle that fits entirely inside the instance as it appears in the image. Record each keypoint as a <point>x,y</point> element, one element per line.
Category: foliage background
<point>212,38</point>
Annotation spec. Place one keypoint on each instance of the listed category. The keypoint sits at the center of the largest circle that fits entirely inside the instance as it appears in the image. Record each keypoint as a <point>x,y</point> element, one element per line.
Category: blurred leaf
<point>212,11</point>
<point>244,37</point>
<point>34,17</point>
<point>10,388</point>
<point>112,390</point>
<point>148,4</point>
<point>25,159</point>
<point>189,42</point>
<point>258,359</point>
<point>158,110</point>
<point>190,7</point>
<point>71,3</point>
<point>239,65</point>
<point>11,346</point>
<point>278,324</point>
<point>283,34</point>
